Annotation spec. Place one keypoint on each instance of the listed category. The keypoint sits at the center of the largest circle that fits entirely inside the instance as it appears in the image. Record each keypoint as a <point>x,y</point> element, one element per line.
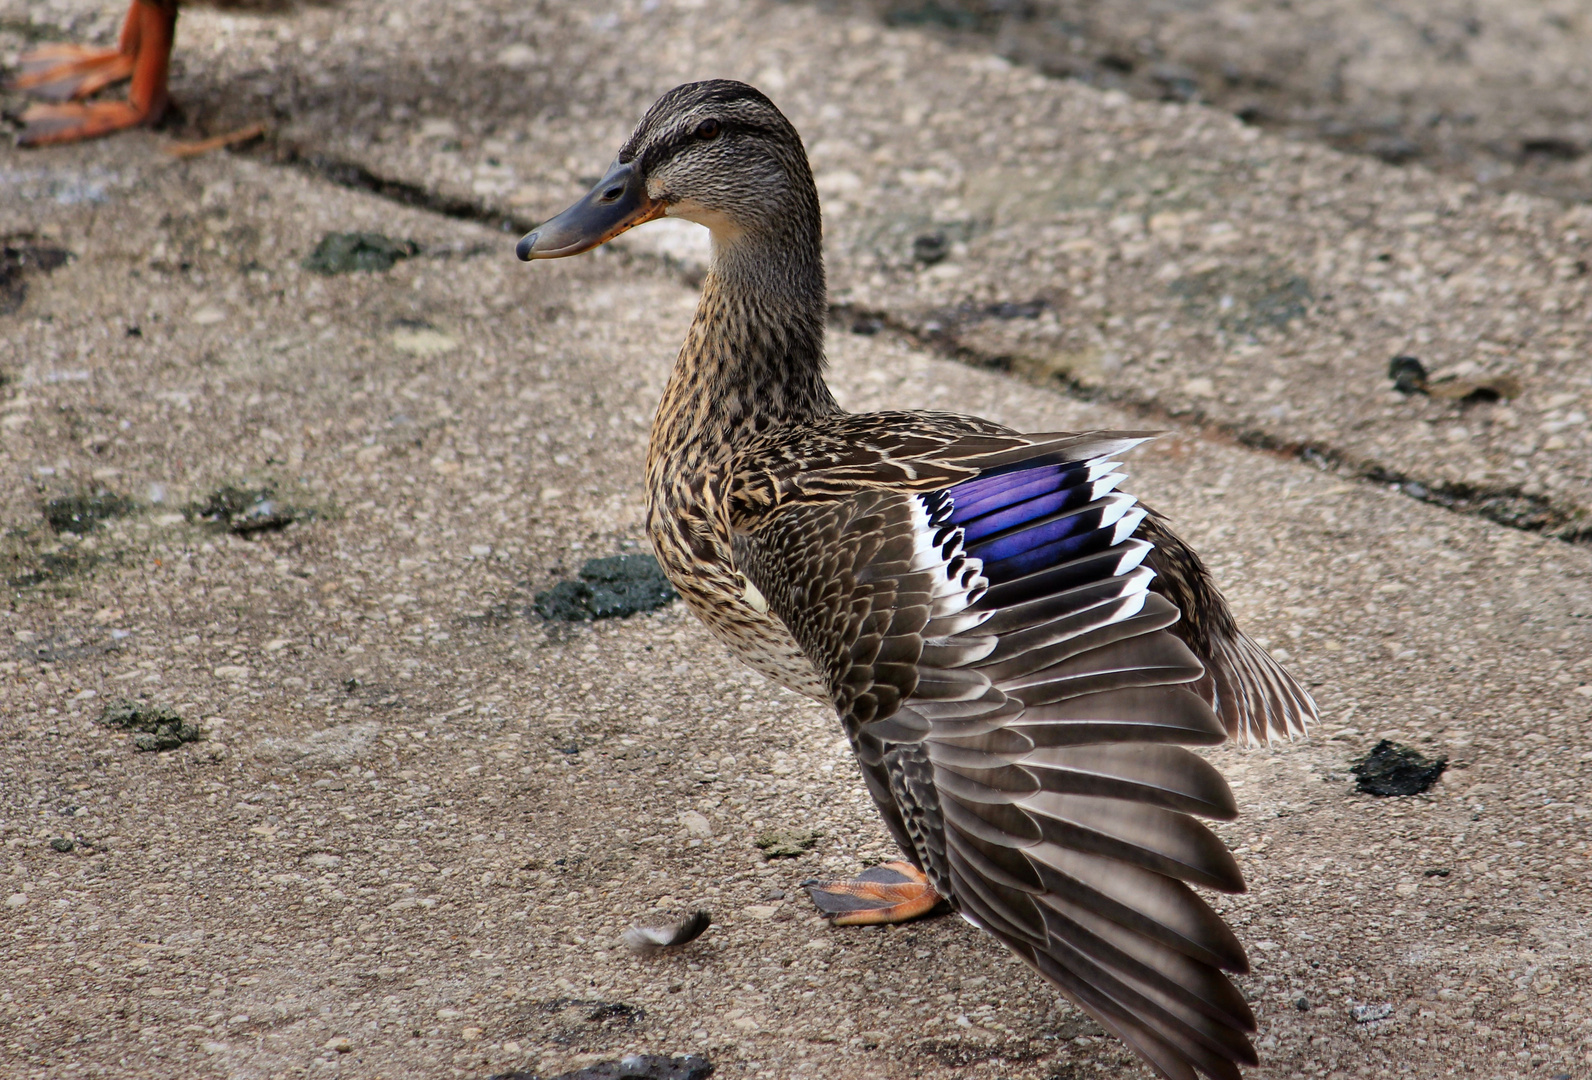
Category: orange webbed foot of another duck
<point>48,124</point>
<point>65,72</point>
<point>891,892</point>
<point>62,73</point>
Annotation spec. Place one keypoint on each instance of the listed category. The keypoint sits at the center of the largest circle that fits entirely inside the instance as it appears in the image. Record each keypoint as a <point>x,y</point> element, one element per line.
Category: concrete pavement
<point>422,818</point>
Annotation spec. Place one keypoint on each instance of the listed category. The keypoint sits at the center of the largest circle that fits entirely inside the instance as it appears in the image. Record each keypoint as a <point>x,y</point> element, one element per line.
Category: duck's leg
<point>61,73</point>
<point>891,892</point>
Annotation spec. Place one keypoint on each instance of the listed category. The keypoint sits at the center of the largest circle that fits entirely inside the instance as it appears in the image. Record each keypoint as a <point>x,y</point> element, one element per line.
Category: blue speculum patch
<point>1024,520</point>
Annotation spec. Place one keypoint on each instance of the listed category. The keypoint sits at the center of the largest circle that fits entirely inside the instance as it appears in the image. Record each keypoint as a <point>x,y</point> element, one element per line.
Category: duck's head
<point>718,153</point>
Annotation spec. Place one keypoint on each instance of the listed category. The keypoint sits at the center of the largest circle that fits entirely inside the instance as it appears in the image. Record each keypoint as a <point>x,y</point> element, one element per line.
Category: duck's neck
<point>754,356</point>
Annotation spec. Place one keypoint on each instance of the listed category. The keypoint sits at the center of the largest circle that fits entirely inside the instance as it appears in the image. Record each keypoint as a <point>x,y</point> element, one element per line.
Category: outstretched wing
<point>1256,699</point>
<point>1021,705</point>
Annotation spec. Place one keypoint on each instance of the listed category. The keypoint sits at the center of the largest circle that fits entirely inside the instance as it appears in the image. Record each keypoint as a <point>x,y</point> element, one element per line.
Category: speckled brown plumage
<point>1018,653</point>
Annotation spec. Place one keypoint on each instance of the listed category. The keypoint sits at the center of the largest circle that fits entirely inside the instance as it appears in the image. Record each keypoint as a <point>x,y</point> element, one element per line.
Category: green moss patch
<point>345,253</point>
<point>154,727</point>
<point>84,512</point>
<point>789,843</point>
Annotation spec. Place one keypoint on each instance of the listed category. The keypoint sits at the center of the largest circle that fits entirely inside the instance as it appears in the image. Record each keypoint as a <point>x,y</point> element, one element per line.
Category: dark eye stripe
<point>660,152</point>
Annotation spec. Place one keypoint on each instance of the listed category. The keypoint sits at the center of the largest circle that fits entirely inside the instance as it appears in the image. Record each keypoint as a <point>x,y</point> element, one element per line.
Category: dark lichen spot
<point>1391,769</point>
<point>344,253</point>
<point>32,569</point>
<point>616,1012</point>
<point>930,248</point>
<point>789,843</point>
<point>61,844</point>
<point>19,258</point>
<point>154,727</point>
<point>82,513</point>
<point>614,587</point>
<point>1553,147</point>
<point>244,509</point>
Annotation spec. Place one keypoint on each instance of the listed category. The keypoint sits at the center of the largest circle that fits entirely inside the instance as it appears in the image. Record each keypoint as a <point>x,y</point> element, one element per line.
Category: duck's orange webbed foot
<point>62,73</point>
<point>891,892</point>
<point>65,72</point>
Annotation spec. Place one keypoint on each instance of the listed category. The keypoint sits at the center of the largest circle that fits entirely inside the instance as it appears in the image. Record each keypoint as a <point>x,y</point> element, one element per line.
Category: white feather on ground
<point>670,931</point>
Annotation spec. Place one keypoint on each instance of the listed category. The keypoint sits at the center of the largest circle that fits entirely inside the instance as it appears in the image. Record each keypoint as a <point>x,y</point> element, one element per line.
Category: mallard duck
<point>1018,651</point>
<point>64,74</point>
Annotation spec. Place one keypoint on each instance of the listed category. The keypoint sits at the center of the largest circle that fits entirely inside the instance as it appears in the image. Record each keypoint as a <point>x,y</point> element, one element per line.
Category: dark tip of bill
<point>523,248</point>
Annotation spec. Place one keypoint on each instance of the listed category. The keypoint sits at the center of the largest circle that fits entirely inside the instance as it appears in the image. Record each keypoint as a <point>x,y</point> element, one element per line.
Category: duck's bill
<point>618,202</point>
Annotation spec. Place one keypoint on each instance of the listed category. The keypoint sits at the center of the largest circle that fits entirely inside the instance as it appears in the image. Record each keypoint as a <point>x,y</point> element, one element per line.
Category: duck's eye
<point>707,129</point>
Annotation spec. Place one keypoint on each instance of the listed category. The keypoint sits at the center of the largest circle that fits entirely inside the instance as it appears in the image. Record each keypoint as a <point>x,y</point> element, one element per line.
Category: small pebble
<point>1408,374</point>
<point>1369,1014</point>
<point>930,248</point>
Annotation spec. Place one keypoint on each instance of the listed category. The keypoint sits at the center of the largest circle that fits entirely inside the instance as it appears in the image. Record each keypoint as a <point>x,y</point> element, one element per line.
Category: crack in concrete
<point>352,175</point>
<point>1508,506</point>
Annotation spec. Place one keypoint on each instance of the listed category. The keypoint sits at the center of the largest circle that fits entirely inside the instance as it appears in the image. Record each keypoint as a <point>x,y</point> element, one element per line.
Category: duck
<point>64,74</point>
<point>1021,655</point>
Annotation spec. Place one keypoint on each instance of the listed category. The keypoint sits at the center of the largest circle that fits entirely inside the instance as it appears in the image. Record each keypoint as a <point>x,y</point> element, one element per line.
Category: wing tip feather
<point>1262,704</point>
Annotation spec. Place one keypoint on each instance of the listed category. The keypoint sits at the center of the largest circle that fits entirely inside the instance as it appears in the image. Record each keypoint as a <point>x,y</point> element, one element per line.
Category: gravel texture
<point>1490,91</point>
<point>422,818</point>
